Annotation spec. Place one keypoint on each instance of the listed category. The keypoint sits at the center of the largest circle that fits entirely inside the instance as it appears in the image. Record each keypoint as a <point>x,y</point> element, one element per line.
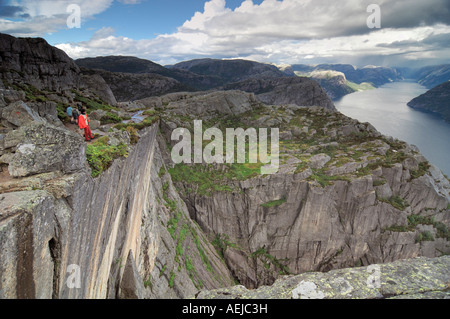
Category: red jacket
<point>82,122</point>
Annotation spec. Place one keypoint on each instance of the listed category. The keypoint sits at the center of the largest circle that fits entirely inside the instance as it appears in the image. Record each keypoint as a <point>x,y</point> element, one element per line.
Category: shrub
<point>100,155</point>
<point>275,203</point>
<point>425,236</point>
<point>110,118</point>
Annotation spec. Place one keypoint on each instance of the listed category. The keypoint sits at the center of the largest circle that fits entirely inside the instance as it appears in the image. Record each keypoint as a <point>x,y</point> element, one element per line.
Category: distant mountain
<point>286,90</point>
<point>375,75</point>
<point>133,65</point>
<point>333,82</point>
<point>135,86</point>
<point>432,76</point>
<point>436,100</point>
<point>122,64</point>
<point>132,78</point>
<point>230,70</point>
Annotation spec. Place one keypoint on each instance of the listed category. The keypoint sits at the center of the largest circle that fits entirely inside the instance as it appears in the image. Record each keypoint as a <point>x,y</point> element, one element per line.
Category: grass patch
<point>415,220</point>
<point>268,259</point>
<point>424,236</point>
<point>274,203</point>
<point>379,182</point>
<point>100,155</point>
<point>423,169</point>
<point>207,179</point>
<point>110,118</point>
<point>172,279</point>
<point>325,180</point>
<point>92,104</point>
<point>221,242</point>
<point>396,201</point>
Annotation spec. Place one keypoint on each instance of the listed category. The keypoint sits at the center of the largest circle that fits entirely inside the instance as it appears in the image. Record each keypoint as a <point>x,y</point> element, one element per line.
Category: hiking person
<point>69,112</point>
<point>75,114</point>
<point>83,123</point>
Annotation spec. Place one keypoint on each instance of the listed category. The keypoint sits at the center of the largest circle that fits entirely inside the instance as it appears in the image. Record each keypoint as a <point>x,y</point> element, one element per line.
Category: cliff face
<point>344,195</point>
<point>35,62</point>
<point>113,237</point>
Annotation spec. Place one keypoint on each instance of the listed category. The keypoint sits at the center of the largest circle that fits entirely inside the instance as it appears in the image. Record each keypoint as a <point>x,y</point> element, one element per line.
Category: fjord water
<point>386,108</point>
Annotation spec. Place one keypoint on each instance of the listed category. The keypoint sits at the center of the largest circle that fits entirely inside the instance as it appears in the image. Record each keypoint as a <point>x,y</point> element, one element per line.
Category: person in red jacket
<point>83,123</point>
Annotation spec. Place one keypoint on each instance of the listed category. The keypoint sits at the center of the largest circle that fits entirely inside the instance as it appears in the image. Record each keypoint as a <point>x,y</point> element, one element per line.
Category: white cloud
<point>287,31</point>
<point>48,16</point>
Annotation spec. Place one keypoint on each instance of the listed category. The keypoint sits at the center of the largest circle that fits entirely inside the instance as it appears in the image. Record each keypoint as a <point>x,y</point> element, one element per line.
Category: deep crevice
<point>55,252</point>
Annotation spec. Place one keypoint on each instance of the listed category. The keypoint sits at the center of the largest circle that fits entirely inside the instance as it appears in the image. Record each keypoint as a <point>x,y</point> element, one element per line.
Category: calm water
<point>386,109</point>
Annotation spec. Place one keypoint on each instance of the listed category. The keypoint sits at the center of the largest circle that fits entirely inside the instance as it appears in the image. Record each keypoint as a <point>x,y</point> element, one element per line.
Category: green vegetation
<point>275,203</point>
<point>360,87</point>
<point>134,135</point>
<point>173,224</point>
<point>100,155</point>
<point>442,229</point>
<point>325,180</point>
<point>110,118</point>
<point>148,283</point>
<point>423,169</point>
<point>221,242</point>
<point>396,201</point>
<point>269,260</point>
<point>172,279</point>
<point>92,104</point>
<point>148,121</point>
<point>62,111</point>
<point>425,236</point>
<point>379,182</point>
<point>415,220</point>
<point>207,179</point>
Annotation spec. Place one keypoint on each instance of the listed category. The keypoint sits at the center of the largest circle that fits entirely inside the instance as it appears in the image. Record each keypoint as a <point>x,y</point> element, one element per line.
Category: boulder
<point>19,114</point>
<point>43,148</point>
<point>319,161</point>
<point>95,124</point>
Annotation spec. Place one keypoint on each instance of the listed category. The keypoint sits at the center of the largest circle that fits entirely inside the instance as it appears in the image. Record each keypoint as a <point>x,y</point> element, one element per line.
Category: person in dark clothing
<point>75,114</point>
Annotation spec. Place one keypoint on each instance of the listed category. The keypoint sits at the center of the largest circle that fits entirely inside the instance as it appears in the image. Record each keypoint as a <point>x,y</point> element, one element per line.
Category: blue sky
<point>282,32</point>
<point>139,21</point>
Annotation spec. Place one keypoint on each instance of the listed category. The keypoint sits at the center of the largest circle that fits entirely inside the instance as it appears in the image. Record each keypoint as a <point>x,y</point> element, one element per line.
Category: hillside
<point>230,70</point>
<point>432,76</point>
<point>132,79</point>
<point>436,100</point>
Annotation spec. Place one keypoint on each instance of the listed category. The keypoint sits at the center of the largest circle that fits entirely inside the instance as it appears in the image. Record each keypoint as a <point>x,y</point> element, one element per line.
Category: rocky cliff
<point>32,66</point>
<point>116,218</point>
<point>126,234</point>
<point>344,195</point>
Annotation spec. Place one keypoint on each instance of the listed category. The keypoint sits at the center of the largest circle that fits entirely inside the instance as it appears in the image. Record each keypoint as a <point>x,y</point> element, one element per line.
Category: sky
<point>400,33</point>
